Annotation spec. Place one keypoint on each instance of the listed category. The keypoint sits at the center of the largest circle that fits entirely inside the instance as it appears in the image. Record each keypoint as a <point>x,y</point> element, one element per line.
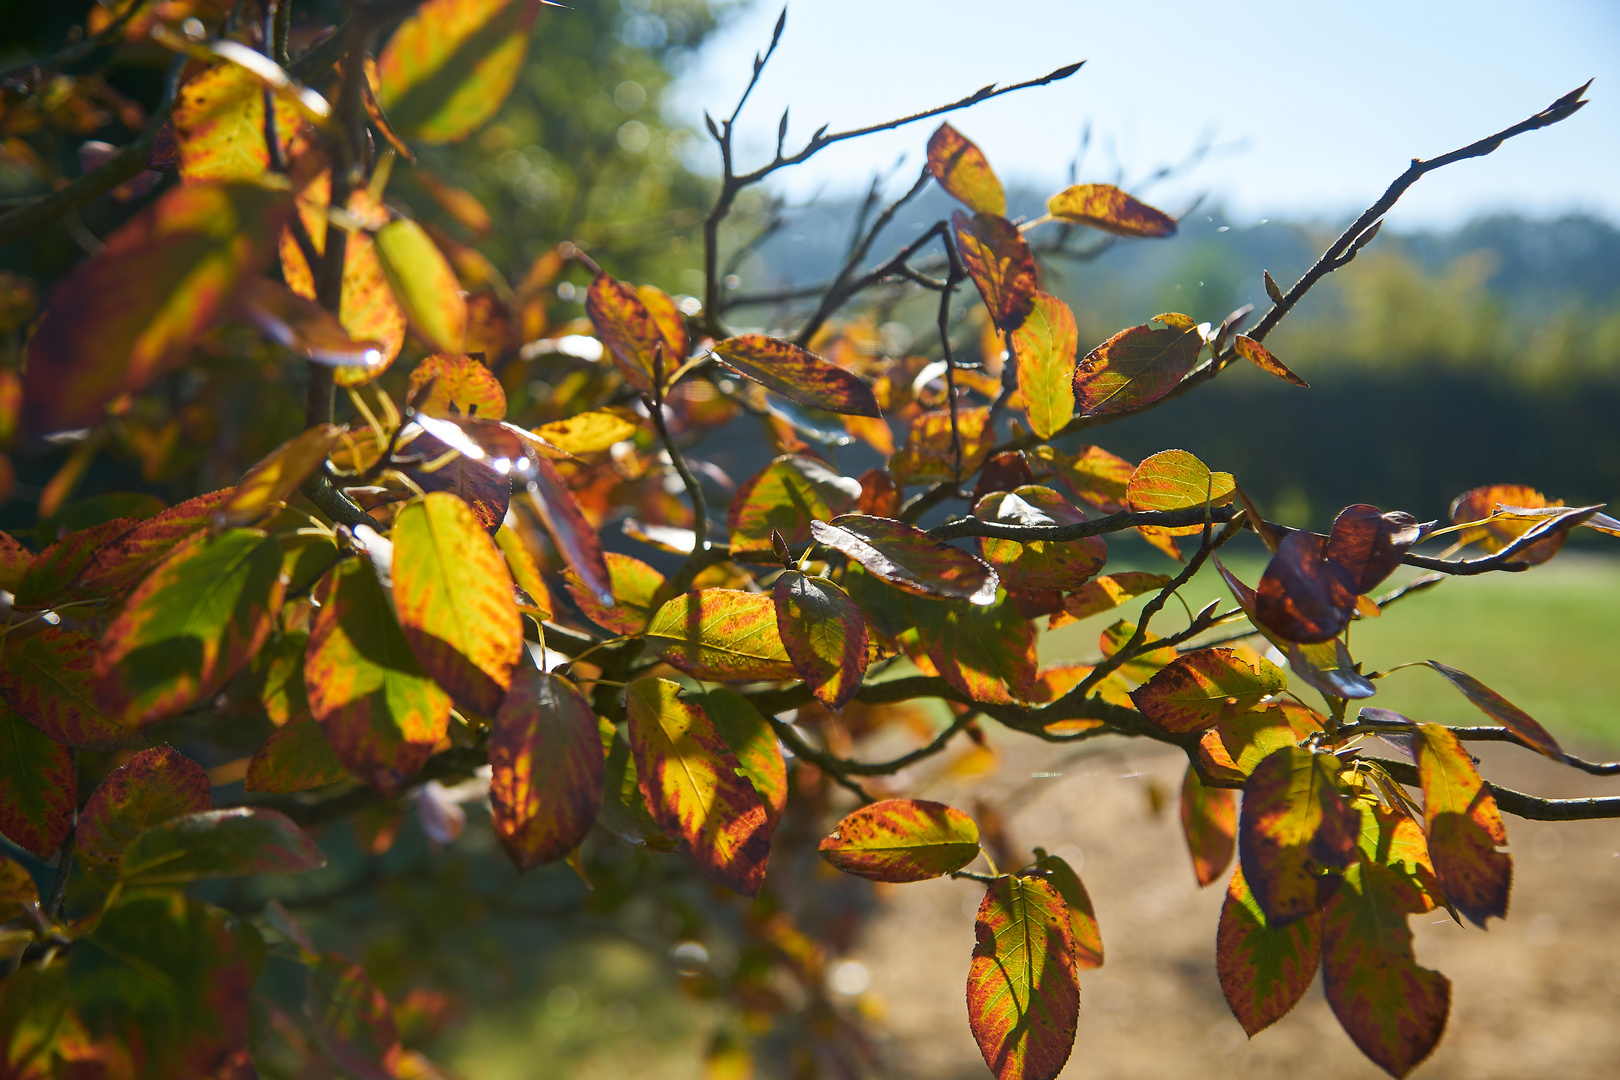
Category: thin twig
<point>1519,804</point>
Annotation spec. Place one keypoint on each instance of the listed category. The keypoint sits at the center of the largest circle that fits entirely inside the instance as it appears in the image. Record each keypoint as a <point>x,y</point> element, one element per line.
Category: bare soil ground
<point>1536,996</point>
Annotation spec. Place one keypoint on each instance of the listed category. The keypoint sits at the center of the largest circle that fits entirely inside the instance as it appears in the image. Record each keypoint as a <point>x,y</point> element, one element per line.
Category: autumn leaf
<point>1136,367</point>
<point>1369,544</point>
<point>590,432</point>
<point>423,284</point>
<point>666,315</point>
<point>1304,596</point>
<point>1262,358</point>
<point>632,335</point>
<point>1106,207</point>
<point>929,454</point>
<point>721,634</point>
<point>382,714</point>
<point>961,169</point>
<point>545,753</point>
<point>797,374</point>
<point>1088,946</point>
<point>448,67</point>
<point>1247,738</point>
<point>1045,347</point>
<point>444,385</point>
<point>785,497</point>
<point>1264,969</point>
<point>154,786</point>
<point>1001,265</point>
<point>1209,824</point>
<point>1200,688</point>
<point>1501,710</point>
<point>909,559</point>
<point>45,677</point>
<point>272,481</point>
<point>1327,666</point>
<point>219,125</point>
<point>1110,591</point>
<point>1294,829</point>
<point>751,738</point>
<point>901,840</point>
<point>1038,564</point>
<point>1023,990</point>
<point>37,792</point>
<point>635,585</point>
<point>985,651</point>
<point>118,564</point>
<point>569,529</point>
<point>218,843</point>
<point>824,635</point>
<point>459,203</point>
<point>453,595</point>
<point>691,782</point>
<point>1466,834</point>
<point>352,1019</point>
<point>192,623</point>
<point>1478,504</point>
<point>296,757</point>
<point>1177,480</point>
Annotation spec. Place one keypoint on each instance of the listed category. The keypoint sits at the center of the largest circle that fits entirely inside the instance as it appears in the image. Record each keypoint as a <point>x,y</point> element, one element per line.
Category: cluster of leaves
<point>421,594</point>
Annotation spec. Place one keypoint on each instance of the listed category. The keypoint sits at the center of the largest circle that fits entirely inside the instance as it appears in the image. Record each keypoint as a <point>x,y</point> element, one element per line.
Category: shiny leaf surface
<point>1199,688</point>
<point>824,634</point>
<point>909,559</point>
<point>545,753</point>
<point>1023,992</point>
<point>901,840</point>
<point>797,374</point>
<point>1038,564</point>
<point>721,634</point>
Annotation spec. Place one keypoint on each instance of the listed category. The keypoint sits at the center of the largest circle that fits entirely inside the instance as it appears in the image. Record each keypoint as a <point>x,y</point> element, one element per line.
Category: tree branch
<point>1519,804</point>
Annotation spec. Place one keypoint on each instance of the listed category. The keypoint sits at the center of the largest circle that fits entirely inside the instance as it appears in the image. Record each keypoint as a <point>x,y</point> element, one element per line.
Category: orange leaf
<point>1001,265</point>
<point>1261,357</point>
<point>1198,689</point>
<point>1136,367</point>
<point>901,840</point>
<point>456,386</point>
<point>928,454</point>
<point>1111,590</point>
<point>1038,564</point>
<point>1088,946</point>
<point>458,203</point>
<point>1177,480</point>
<point>824,634</point>
<point>634,585</point>
<point>961,169</point>
<point>545,753</point>
<point>1209,823</point>
<point>1264,970</point>
<point>1023,990</point>
<point>797,374</point>
<point>1105,207</point>
<point>273,480</point>
<point>1294,826</point>
<point>1479,503</point>
<point>448,67</point>
<point>1465,828</point>
<point>631,333</point>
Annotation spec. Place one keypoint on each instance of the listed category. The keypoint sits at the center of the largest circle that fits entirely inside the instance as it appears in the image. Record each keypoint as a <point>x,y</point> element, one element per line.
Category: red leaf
<point>45,676</point>
<point>901,840</point>
<point>117,565</point>
<point>37,790</point>
<point>1465,828</point>
<point>443,385</point>
<point>1200,688</point>
<point>49,577</point>
<point>1023,991</point>
<point>1209,823</point>
<point>1478,504</point>
<point>880,496</point>
<point>824,634</point>
<point>296,757</point>
<point>1001,265</point>
<point>545,753</point>
<point>1136,367</point>
<point>569,529</point>
<point>1261,357</point>
<point>1304,596</point>
<point>961,169</point>
<point>631,334</point>
<point>153,787</point>
<point>1004,472</point>
<point>1264,970</point>
<point>634,585</point>
<point>1294,826</point>
<point>797,374</point>
<point>1370,544</point>
<point>909,559</point>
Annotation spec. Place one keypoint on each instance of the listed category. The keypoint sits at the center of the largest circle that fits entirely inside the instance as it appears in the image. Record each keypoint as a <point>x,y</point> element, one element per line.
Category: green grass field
<point>1546,639</point>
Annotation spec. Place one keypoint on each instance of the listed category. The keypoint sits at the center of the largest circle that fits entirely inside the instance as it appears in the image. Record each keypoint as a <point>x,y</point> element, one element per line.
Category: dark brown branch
<point>1484,733</point>
<point>1127,519</point>
<point>1517,803</point>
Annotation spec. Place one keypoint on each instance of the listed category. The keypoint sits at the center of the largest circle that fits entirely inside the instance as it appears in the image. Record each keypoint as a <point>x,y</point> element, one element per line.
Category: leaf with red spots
<point>219,126</point>
<point>545,753</point>
<point>786,496</point>
<point>1177,480</point>
<point>1264,969</point>
<point>1045,347</point>
<point>453,595</point>
<point>118,565</point>
<point>1110,591</point>
<point>1501,710</point>
<point>797,374</point>
<point>824,635</point>
<point>1088,946</point>
<point>693,787</point>
<point>569,529</point>
<point>352,1019</point>
<point>1392,1009</point>
<point>294,758</point>
<point>631,333</point>
<point>962,170</point>
<point>1038,564</point>
<point>1304,596</point>
<point>901,840</point>
<point>192,623</point>
<point>1209,824</point>
<point>750,736</point>
<point>1094,475</point>
<point>132,311</point>
<point>721,634</point>
<point>49,579</point>
<point>37,792</point>
<point>634,585</point>
<point>1023,990</point>
<point>1295,832</point>
<point>1106,207</point>
<point>152,787</point>
<point>270,483</point>
<point>929,453</point>
<point>218,843</point>
<point>1136,367</point>
<point>45,676</point>
<point>1465,828</point>
<point>1262,358</point>
<point>423,284</point>
<point>986,651</point>
<point>909,559</point>
<point>456,386</point>
<point>1001,265</point>
<point>382,714</point>
<point>1198,689</point>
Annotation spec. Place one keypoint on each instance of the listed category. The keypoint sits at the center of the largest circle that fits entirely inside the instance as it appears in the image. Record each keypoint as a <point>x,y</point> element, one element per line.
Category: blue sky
<point>1317,105</point>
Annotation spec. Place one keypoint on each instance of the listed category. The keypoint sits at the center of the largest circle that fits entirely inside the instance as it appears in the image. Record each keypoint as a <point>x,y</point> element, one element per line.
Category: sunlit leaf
<point>219,125</point>
<point>45,678</point>
<point>1038,564</point>
<point>308,329</point>
<point>1209,825</point>
<point>569,529</point>
<point>1199,688</point>
<point>546,755</point>
<point>1478,503</point>
<point>273,480</point>
<point>785,497</point>
<point>1001,265</point>
<point>634,584</point>
<point>1177,480</point>
<point>1295,828</point>
<point>1045,347</point>
<point>721,634</point>
<point>1110,591</point>
<point>797,374</point>
<point>928,453</point>
<point>1304,596</point>
<point>192,623</point>
<point>474,480</point>
<point>294,758</point>
<point>1327,666</point>
<point>353,1019</point>
<point>132,311</point>
<point>152,787</point>
<point>116,565</point>
<point>1088,946</point>
<point>37,791</point>
<point>219,843</point>
<point>1248,738</point>
<point>752,739</point>
<point>382,714</point>
<point>589,432</point>
<point>1264,970</point>
<point>1369,544</point>
<point>824,634</point>
<point>961,169</point>
<point>902,840</point>
<point>631,334</point>
<point>909,559</point>
<point>1023,990</point>
<point>1002,472</point>
<point>1144,665</point>
<point>1261,357</point>
<point>666,314</point>
<point>1465,828</point>
<point>1105,207</point>
<point>1136,367</point>
<point>1501,710</point>
<point>456,386</point>
<point>453,595</point>
<point>691,782</point>
<point>450,65</point>
<point>986,651</point>
<point>423,284</point>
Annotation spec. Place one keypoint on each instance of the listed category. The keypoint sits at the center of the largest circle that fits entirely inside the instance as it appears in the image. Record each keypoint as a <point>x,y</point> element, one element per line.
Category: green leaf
<point>196,620</point>
<point>824,634</point>
<point>1088,946</point>
<point>1001,265</point>
<point>909,559</point>
<point>154,786</point>
<point>1045,347</point>
<point>986,652</point>
<point>1200,688</point>
<point>962,170</point>
<point>1136,367</point>
<point>786,496</point>
<point>453,595</point>
<point>1038,564</point>
<point>37,790</point>
<point>721,634</point>
<point>352,1019</point>
<point>694,789</point>
<point>1465,828</point>
<point>381,712</point>
<point>797,374</point>
<point>1209,824</point>
<point>272,481</point>
<point>545,756</point>
<point>45,676</point>
<point>118,565</point>
<point>750,736</point>
<point>423,283</point>
<point>1106,207</point>
<point>219,125</point>
<point>282,662</point>
<point>902,840</point>
<point>1023,991</point>
<point>1294,830</point>
<point>219,843</point>
<point>1264,970</point>
<point>448,67</point>
<point>294,758</point>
